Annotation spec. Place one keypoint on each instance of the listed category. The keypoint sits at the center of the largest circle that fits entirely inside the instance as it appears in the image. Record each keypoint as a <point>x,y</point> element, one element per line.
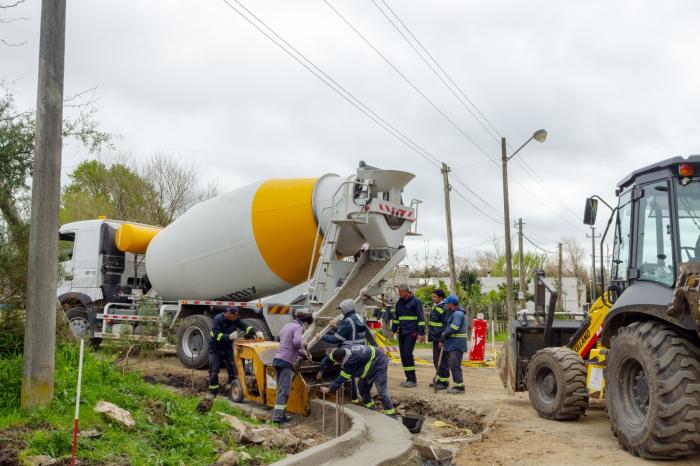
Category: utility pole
<point>560,298</point>
<point>40,328</point>
<point>521,264</point>
<point>593,286</point>
<point>506,223</point>
<point>448,217</point>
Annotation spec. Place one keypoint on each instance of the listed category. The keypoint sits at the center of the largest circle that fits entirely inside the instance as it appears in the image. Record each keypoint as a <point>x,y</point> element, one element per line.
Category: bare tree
<point>5,20</point>
<point>175,186</point>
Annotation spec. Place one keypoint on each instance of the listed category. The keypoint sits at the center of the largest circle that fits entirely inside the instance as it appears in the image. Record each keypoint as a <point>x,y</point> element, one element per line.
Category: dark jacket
<point>222,328</point>
<point>351,331</point>
<point>455,334</point>
<point>360,363</point>
<point>436,321</point>
<point>408,316</point>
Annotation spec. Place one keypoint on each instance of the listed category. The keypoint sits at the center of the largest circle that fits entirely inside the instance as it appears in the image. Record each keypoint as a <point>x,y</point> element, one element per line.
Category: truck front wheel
<point>192,341</point>
<point>651,379</point>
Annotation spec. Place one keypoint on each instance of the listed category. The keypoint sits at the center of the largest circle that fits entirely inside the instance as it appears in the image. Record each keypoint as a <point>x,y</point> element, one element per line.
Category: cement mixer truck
<point>272,248</point>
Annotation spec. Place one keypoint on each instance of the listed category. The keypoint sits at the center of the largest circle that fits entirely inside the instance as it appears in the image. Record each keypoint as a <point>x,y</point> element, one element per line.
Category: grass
<point>168,429</point>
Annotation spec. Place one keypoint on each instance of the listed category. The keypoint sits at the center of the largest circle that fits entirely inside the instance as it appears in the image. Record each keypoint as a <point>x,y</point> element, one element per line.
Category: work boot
<point>440,386</point>
<point>408,384</point>
<point>455,390</point>
<point>282,424</point>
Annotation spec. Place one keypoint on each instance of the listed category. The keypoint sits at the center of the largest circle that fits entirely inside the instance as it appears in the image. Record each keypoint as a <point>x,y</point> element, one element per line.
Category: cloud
<point>616,88</point>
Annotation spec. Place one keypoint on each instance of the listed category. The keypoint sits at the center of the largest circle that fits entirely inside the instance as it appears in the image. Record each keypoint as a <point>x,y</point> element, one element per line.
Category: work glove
<point>233,336</point>
<point>259,335</point>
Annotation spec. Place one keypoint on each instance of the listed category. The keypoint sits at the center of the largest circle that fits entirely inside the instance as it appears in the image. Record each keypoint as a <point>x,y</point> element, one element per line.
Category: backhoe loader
<point>638,346</point>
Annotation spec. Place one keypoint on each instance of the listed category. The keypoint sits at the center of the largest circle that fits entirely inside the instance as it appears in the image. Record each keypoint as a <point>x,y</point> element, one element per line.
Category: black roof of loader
<point>658,166</point>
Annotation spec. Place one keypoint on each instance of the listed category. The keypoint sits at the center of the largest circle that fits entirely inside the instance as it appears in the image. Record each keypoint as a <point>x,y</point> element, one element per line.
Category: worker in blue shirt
<point>366,363</point>
<point>409,324</point>
<point>436,325</point>
<point>223,331</point>
<point>351,331</point>
<point>454,341</point>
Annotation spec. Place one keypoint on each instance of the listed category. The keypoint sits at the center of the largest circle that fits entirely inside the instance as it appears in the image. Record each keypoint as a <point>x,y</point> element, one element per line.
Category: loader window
<point>621,247</point>
<point>654,251</point>
<point>689,220</point>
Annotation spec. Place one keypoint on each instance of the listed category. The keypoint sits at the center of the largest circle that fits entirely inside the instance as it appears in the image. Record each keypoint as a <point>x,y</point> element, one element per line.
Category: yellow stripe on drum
<point>284,226</point>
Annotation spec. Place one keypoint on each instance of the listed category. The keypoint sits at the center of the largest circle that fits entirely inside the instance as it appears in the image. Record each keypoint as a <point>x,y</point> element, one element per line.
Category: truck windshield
<point>688,202</point>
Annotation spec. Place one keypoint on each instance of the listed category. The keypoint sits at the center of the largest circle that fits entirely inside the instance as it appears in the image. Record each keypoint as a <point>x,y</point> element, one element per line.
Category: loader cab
<point>655,227</point>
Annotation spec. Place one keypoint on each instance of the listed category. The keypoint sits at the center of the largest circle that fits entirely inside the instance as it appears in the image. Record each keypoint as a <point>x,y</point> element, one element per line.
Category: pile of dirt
<point>179,381</point>
<point>11,446</point>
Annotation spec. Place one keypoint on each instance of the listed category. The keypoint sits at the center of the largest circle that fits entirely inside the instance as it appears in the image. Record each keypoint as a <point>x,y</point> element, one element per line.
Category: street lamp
<point>539,136</point>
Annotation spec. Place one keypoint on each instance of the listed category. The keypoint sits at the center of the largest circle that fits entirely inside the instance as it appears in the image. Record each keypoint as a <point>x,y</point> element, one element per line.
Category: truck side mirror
<point>590,212</point>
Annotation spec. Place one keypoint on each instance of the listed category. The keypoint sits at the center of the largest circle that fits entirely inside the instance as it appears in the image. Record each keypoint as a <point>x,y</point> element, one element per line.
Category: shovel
<point>435,382</point>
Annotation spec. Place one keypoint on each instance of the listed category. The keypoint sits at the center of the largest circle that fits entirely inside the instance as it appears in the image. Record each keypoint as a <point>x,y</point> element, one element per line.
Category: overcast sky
<point>615,83</point>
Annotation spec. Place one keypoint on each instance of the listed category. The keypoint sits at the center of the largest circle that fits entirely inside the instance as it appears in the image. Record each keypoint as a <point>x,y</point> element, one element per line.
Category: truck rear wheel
<point>192,341</point>
<point>556,384</point>
<point>260,326</point>
<point>651,378</point>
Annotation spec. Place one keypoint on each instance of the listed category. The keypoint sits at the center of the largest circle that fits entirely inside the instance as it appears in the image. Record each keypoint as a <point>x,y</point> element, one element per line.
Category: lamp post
<point>539,136</point>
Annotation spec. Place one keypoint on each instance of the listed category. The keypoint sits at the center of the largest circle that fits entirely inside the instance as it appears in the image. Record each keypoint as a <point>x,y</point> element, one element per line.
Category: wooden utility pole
<point>42,271</point>
<point>560,288</point>
<point>448,217</point>
<point>521,264</point>
<point>593,286</point>
<point>506,225</point>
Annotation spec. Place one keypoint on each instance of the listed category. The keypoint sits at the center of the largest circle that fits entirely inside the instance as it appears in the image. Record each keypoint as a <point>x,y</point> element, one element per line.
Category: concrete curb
<point>373,439</point>
<point>344,445</point>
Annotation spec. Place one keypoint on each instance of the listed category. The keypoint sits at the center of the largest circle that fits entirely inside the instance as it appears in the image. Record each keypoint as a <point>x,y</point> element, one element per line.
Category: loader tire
<point>260,326</point>
<point>556,384</point>
<point>652,378</point>
<point>192,341</point>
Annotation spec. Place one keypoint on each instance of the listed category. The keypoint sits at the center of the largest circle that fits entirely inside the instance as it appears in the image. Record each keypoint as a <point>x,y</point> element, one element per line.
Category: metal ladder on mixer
<point>327,251</point>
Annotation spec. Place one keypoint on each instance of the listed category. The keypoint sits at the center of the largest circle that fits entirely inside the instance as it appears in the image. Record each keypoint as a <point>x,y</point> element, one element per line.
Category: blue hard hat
<point>452,299</point>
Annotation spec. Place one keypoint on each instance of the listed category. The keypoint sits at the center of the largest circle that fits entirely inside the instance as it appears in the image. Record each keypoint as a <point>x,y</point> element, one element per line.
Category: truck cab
<point>94,271</point>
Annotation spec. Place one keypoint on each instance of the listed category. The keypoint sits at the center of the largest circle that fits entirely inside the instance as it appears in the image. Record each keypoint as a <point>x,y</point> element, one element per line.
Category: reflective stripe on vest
<point>408,318</point>
<point>458,335</point>
<point>436,324</point>
<point>369,363</point>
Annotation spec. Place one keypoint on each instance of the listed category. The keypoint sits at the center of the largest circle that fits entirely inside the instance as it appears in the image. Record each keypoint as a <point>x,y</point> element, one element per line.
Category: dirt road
<point>519,435</point>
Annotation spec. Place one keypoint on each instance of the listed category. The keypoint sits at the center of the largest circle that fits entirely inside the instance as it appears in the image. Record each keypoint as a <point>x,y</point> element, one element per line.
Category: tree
<point>16,161</point>
<point>531,261</point>
<point>175,186</point>
<point>115,191</point>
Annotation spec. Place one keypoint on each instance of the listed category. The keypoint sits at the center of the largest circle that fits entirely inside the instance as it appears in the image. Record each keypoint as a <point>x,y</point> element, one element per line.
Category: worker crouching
<point>366,363</point>
<point>454,342</point>
<point>223,331</point>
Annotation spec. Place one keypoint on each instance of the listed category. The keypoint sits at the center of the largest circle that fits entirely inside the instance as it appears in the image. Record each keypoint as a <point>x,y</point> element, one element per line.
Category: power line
<point>402,75</point>
<point>475,207</point>
<point>432,68</point>
<point>461,182</point>
<point>537,246</point>
<point>452,81</point>
<point>327,80</point>
<point>420,44</point>
<point>479,244</point>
